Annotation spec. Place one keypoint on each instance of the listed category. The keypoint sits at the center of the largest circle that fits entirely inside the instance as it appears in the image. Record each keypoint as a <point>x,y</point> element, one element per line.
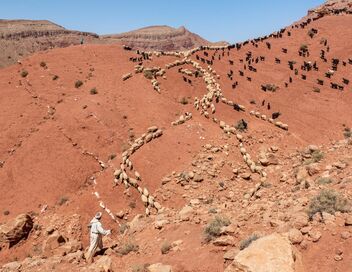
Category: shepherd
<point>96,236</point>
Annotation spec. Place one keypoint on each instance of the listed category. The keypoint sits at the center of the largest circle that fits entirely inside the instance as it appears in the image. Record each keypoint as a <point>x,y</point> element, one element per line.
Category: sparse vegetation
<point>93,91</point>
<point>62,200</point>
<point>112,156</point>
<point>317,156</point>
<point>55,77</point>
<point>123,227</point>
<point>184,101</point>
<point>43,64</point>
<point>246,242</point>
<point>24,73</point>
<point>78,83</point>
<point>140,268</point>
<point>127,248</point>
<point>303,48</point>
<point>165,248</point>
<point>212,210</point>
<point>316,90</point>
<point>328,201</point>
<point>148,73</point>
<point>6,212</point>
<point>347,132</point>
<point>132,204</point>
<point>213,229</point>
<point>271,87</point>
<point>324,180</point>
<point>252,102</point>
<point>241,125</point>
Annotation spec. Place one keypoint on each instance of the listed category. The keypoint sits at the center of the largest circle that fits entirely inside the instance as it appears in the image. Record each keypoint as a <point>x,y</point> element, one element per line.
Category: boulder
<point>300,220</point>
<point>11,267</point>
<point>16,230</point>
<point>159,267</point>
<point>54,241</point>
<point>224,241</point>
<point>103,264</point>
<point>295,236</point>
<point>185,212</point>
<point>230,254</point>
<point>267,254</point>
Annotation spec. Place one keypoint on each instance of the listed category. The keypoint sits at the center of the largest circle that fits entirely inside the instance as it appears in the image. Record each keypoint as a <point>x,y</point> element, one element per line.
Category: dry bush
<point>324,180</point>
<point>327,201</point>
<point>184,101</point>
<point>246,242</point>
<point>213,229</point>
<point>93,91</point>
<point>24,73</point>
<point>78,83</point>
<point>165,248</point>
<point>241,125</point>
<point>271,87</point>
<point>347,132</point>
<point>62,200</point>
<point>127,248</point>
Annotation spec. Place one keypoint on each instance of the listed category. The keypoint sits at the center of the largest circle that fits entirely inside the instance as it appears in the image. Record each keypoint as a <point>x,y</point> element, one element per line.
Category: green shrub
<point>213,229</point>
<point>165,248</point>
<point>24,73</point>
<point>246,242</point>
<point>55,77</point>
<point>252,101</point>
<point>127,248</point>
<point>78,83</point>
<point>327,201</point>
<point>93,91</point>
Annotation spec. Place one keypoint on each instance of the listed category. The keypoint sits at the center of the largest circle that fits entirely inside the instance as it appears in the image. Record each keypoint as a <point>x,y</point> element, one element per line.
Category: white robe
<point>96,237</point>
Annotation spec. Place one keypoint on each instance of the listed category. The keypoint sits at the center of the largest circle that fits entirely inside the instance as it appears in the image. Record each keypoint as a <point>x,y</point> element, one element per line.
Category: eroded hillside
<point>154,140</point>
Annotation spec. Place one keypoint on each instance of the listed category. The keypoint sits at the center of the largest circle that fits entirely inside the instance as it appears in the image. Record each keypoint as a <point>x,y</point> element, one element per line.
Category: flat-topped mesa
<point>161,38</point>
<point>14,29</point>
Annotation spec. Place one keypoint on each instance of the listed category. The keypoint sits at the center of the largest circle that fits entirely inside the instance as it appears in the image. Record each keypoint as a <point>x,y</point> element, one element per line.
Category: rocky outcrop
<point>267,254</point>
<point>16,230</point>
<point>332,7</point>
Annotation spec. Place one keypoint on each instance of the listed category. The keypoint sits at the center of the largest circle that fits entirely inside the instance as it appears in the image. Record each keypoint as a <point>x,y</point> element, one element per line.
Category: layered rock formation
<point>19,38</point>
<point>162,38</point>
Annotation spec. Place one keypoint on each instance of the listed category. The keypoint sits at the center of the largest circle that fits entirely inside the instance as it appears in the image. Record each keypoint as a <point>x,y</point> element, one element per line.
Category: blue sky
<point>230,20</point>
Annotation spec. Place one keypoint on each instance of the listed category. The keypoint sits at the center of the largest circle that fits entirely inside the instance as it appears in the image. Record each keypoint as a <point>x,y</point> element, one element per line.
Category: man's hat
<point>98,215</point>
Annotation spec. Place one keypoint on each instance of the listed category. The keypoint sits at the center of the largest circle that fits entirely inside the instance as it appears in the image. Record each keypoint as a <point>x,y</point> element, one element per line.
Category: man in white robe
<point>96,236</point>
